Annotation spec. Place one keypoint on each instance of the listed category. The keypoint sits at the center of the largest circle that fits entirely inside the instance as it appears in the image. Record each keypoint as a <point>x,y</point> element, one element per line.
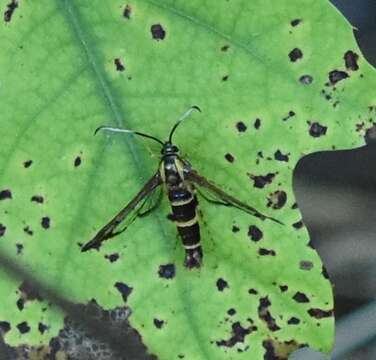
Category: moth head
<point>169,149</point>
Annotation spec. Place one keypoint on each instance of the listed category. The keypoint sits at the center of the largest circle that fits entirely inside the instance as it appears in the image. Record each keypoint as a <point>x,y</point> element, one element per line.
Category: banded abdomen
<point>184,213</point>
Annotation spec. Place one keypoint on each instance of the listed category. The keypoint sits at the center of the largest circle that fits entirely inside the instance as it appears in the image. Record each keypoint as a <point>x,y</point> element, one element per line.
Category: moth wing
<point>107,231</point>
<point>221,197</point>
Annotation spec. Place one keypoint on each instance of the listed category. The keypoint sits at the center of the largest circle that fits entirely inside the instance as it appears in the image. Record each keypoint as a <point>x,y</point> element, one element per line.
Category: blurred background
<point>336,192</point>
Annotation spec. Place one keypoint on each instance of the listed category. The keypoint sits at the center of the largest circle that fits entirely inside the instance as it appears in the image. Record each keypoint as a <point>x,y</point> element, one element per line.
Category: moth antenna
<point>183,117</point>
<point>114,129</point>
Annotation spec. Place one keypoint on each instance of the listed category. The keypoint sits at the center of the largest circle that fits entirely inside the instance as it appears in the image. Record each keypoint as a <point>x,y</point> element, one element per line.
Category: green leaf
<point>275,80</point>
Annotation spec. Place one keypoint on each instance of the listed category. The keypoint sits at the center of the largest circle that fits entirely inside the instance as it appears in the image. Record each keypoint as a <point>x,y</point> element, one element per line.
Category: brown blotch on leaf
<point>293,321</point>
<point>158,323</point>
<point>277,199</point>
<point>42,328</point>
<point>266,252</point>
<point>289,115</point>
<point>281,157</point>
<point>337,75</point>
<point>28,231</point>
<point>298,225</point>
<point>11,7</point>
<point>2,229</point>
<point>306,79</point>
<point>127,12</point>
<point>23,327</point>
<point>230,158</point>
<point>77,161</point>
<point>5,194</point>
<point>45,222</point>
<point>260,181</point>
<point>255,233</point>
<point>225,47</point>
<point>295,54</point>
<point>37,198</point>
<point>157,32</point>
<point>225,78</point>
<point>112,257</point>
<point>319,313</point>
<point>306,265</point>
<point>265,315</point>
<point>167,271</point>
<point>222,284</point>
<point>295,22</point>
<point>4,327</point>
<point>29,292</point>
<point>235,229</point>
<point>257,123</point>
<point>300,297</point>
<point>241,126</point>
<point>124,290</point>
<point>231,312</point>
<point>238,335</point>
<point>27,163</point>
<point>119,65</point>
<point>283,288</point>
<point>252,291</point>
<point>316,130</point>
<point>19,248</point>
<point>351,60</point>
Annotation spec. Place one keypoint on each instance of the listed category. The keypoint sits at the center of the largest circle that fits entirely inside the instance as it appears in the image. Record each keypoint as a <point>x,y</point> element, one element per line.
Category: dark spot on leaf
<point>306,265</point>
<point>293,321</point>
<point>298,224</point>
<point>4,327</point>
<point>112,257</point>
<point>257,123</point>
<point>261,181</point>
<point>264,314</point>
<point>167,271</point>
<point>241,126</point>
<point>324,272</point>
<point>231,312</point>
<point>283,288</point>
<point>2,229</point>
<point>235,229</point>
<point>19,248</point>
<point>157,32</point>
<point>295,54</point>
<point>20,304</point>
<point>300,297</point>
<point>124,290</point>
<point>316,130</point>
<point>238,335</point>
<point>295,22</point>
<point>319,313</point>
<point>5,194</point>
<point>119,65</point>
<point>158,323</point>
<point>28,163</point>
<point>127,11</point>
<point>225,78</point>
<point>266,252</point>
<point>37,198</point>
<point>45,222</point>
<point>306,79</point>
<point>277,199</point>
<point>289,115</point>
<point>351,60</point>
<point>281,157</point>
<point>77,161</point>
<point>225,47</point>
<point>336,76</point>
<point>28,231</point>
<point>42,328</point>
<point>294,206</point>
<point>230,158</point>
<point>11,7</point>
<point>255,233</point>
<point>252,292</point>
<point>23,327</point>
<point>222,284</point>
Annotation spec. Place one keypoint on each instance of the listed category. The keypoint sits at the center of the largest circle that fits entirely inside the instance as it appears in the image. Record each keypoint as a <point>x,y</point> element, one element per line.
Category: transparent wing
<point>132,209</point>
<point>220,197</point>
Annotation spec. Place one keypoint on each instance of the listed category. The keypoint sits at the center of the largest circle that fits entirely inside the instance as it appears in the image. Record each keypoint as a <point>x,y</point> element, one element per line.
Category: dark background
<point>336,192</point>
